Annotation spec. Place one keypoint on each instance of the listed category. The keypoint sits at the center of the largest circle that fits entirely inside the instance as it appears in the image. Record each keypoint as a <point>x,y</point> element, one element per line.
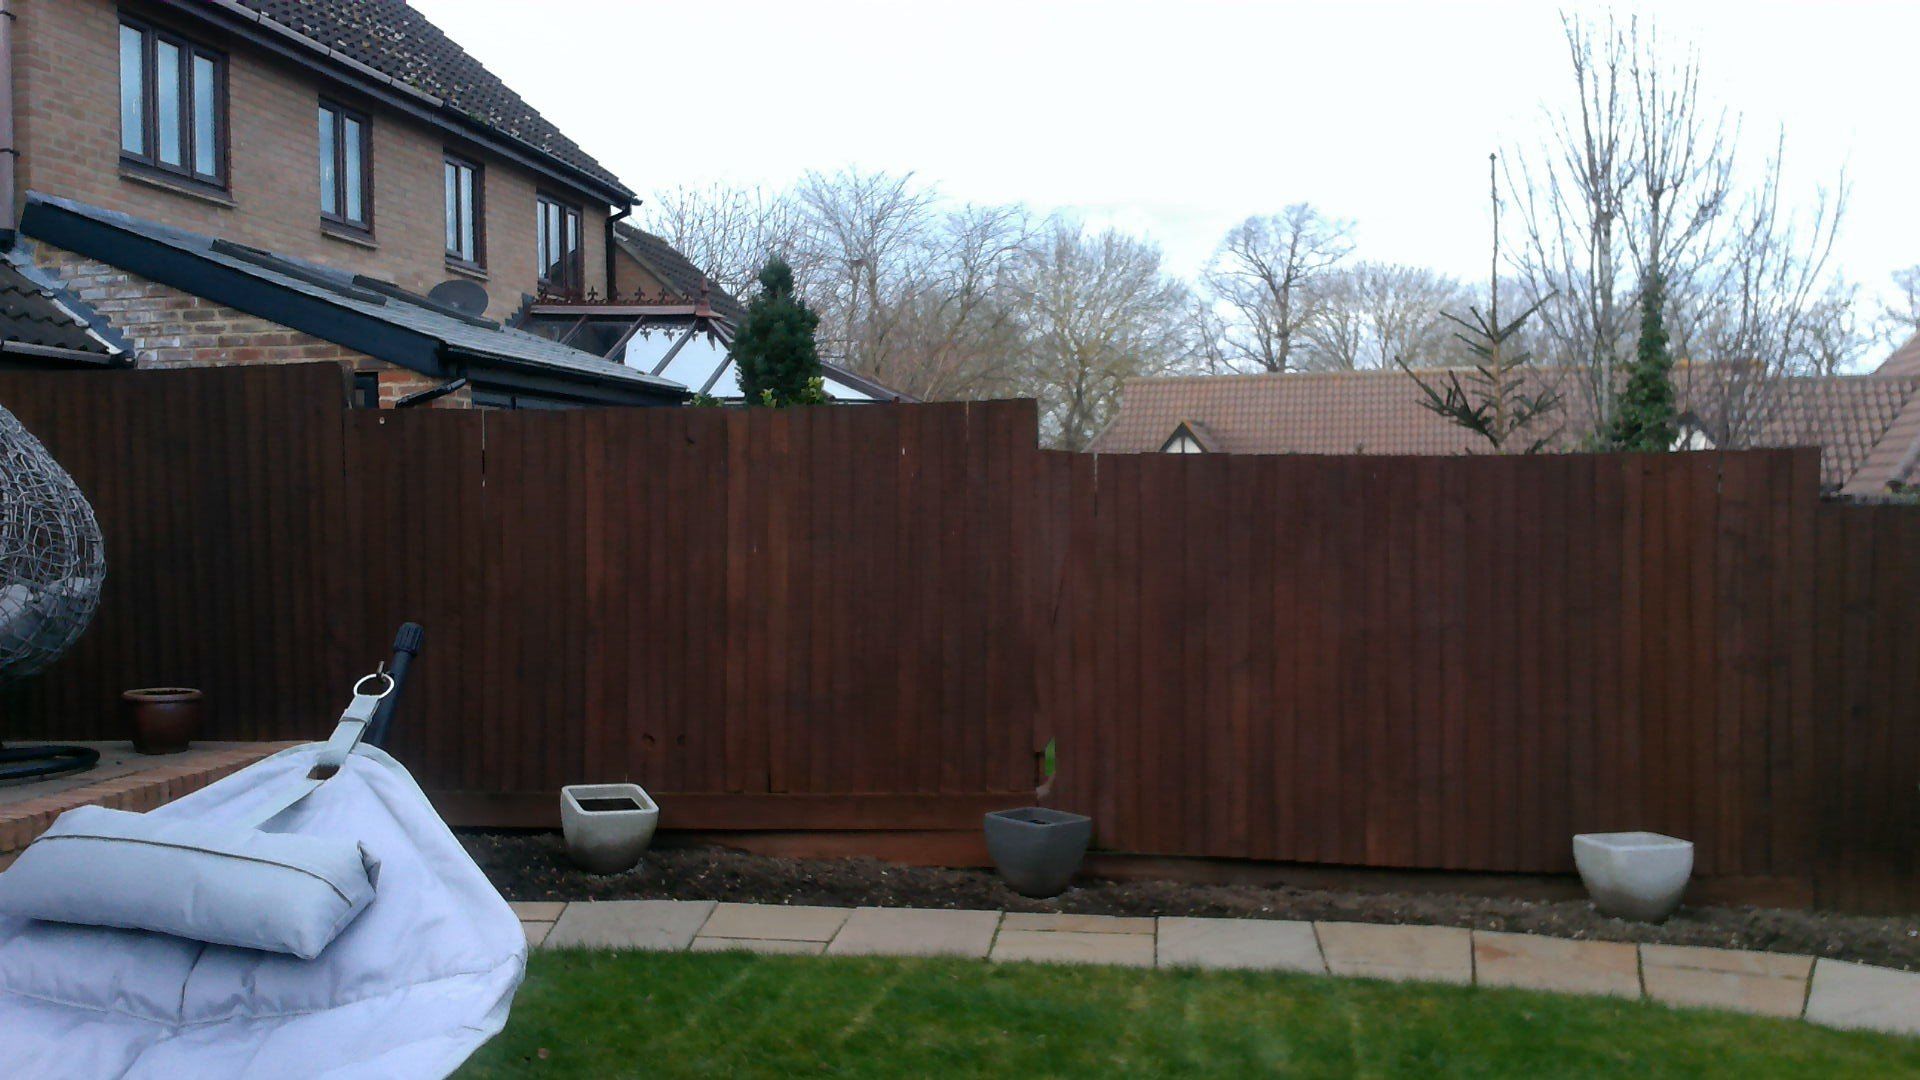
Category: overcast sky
<point>1176,120</point>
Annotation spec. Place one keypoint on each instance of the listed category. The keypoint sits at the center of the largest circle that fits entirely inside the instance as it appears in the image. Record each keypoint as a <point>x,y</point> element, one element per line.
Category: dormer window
<point>1691,434</point>
<point>1184,440</point>
<point>173,105</point>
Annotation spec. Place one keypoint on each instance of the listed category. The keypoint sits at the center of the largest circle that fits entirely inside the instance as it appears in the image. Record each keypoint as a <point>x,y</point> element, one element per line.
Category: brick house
<point>260,181</point>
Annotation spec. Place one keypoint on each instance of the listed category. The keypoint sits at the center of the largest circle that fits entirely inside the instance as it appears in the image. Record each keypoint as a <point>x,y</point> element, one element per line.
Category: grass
<point>602,1014</point>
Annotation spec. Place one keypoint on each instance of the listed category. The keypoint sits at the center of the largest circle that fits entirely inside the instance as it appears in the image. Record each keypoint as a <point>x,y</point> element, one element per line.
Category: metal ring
<point>375,675</point>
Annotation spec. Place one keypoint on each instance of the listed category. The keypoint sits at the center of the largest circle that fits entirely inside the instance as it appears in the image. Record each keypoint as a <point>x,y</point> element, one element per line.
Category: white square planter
<point>607,826</point>
<point>1634,875</point>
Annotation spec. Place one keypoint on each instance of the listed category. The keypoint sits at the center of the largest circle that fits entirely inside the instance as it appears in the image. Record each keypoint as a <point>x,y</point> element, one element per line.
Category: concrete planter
<point>1634,875</point>
<point>607,826</point>
<point>1037,850</point>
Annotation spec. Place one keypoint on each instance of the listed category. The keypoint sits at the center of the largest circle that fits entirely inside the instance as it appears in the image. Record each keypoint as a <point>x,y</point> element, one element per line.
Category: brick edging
<point>22,822</point>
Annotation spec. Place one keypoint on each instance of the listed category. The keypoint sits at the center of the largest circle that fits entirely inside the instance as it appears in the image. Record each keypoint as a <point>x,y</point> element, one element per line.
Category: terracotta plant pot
<point>164,719</point>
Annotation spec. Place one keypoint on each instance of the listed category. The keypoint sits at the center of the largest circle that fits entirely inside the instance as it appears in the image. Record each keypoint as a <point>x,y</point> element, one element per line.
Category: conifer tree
<point>774,349</point>
<point>1644,418</point>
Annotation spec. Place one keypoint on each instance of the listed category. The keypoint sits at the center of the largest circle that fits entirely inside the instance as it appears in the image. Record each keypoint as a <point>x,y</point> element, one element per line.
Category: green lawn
<point>596,1014</point>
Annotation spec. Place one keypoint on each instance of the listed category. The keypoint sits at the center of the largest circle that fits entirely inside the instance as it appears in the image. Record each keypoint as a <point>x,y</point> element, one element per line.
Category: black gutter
<point>57,352</point>
<point>192,273</point>
<point>516,383</point>
<point>607,254</point>
<point>305,52</point>
<point>430,394</point>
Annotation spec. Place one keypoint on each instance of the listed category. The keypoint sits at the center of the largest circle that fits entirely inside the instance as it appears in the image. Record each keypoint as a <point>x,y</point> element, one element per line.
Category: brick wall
<point>68,129</point>
<point>169,328</point>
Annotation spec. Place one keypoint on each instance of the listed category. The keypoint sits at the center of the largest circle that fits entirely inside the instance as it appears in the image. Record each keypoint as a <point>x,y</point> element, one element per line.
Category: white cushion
<point>215,883</point>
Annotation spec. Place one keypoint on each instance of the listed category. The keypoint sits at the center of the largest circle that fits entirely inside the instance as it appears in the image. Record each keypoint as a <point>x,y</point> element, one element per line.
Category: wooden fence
<point>873,619</point>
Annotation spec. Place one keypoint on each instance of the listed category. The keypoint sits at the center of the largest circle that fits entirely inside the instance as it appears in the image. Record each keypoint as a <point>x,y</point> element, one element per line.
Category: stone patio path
<point>1831,992</point>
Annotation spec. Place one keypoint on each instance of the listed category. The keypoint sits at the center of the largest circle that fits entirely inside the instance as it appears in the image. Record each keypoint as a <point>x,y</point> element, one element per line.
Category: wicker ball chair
<point>52,564</point>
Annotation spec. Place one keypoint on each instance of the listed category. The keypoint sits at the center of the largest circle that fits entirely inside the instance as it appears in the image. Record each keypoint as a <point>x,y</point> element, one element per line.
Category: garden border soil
<point>534,866</point>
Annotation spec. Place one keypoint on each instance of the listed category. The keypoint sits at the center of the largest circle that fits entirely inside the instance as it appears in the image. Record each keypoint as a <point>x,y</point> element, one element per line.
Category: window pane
<point>353,183</point>
<point>166,95</point>
<point>469,216</point>
<point>133,94</point>
<point>329,183</point>
<point>452,190</point>
<point>206,147</point>
<point>546,239</point>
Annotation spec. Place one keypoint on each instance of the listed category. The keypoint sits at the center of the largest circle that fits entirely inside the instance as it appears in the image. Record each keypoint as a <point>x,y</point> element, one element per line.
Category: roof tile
<point>393,39</point>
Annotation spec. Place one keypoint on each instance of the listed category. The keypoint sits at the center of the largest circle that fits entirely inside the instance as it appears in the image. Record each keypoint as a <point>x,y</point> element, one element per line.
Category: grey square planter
<point>607,826</point>
<point>1634,875</point>
<point>1037,850</point>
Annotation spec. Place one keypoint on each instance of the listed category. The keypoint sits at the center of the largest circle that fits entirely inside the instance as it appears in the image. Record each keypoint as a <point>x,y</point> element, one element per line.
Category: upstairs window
<point>346,173</point>
<point>465,244</point>
<point>561,265</point>
<point>173,104</point>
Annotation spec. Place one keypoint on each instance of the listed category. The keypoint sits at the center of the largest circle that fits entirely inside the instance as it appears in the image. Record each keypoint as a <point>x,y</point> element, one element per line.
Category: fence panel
<point>876,618</point>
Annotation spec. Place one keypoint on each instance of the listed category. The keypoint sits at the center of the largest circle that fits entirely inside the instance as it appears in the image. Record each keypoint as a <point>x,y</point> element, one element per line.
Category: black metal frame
<point>44,762</point>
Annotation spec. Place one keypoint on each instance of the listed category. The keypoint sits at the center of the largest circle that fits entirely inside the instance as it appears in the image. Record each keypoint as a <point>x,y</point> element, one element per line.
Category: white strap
<point>346,735</point>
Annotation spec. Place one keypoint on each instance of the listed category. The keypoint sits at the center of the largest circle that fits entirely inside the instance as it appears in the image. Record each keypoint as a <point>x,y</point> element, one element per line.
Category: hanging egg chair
<point>52,564</point>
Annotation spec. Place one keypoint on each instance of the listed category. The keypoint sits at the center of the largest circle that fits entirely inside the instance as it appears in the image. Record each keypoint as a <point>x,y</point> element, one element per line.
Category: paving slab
<point>1268,944</point>
<point>1852,995</point>
<point>758,945</point>
<point>775,922</point>
<point>1380,951</point>
<point>1074,947</point>
<point>657,925</point>
<point>1771,984</point>
<point>1534,962</point>
<point>1084,924</point>
<point>536,932</point>
<point>915,932</point>
<point>538,910</point>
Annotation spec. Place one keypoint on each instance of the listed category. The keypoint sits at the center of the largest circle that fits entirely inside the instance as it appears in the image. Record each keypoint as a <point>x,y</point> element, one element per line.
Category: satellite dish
<point>460,294</point>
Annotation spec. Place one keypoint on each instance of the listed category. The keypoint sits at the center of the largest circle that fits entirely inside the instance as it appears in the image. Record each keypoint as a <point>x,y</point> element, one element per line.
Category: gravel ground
<point>534,866</point>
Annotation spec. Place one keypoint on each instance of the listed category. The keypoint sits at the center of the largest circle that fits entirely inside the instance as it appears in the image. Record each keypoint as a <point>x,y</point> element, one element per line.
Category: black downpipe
<point>406,646</point>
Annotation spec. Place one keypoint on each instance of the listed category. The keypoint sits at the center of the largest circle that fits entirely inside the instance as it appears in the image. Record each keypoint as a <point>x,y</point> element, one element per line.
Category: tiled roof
<point>675,270</point>
<point>1851,418</point>
<point>393,39</point>
<point>33,313</point>
<point>1904,361</point>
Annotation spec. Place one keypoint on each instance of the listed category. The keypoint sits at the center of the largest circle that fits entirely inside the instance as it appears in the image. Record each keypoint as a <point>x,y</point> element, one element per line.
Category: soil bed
<point>534,866</point>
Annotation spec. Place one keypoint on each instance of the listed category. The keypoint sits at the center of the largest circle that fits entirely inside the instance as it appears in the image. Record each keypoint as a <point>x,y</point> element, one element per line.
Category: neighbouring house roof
<point>40,322</point>
<point>1894,464</point>
<point>675,271</point>
<point>391,39</point>
<point>1904,360</point>
<point>360,313</point>
<point>1382,412</point>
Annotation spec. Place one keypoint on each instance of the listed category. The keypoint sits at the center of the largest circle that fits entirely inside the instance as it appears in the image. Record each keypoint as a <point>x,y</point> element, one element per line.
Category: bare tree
<point>865,237</point>
<point>1639,183</point>
<point>1367,315</point>
<point>1900,316</point>
<point>1765,316</point>
<point>1098,310</point>
<point>950,328</point>
<point>1572,198</point>
<point>1262,278</point>
<point>728,232</point>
